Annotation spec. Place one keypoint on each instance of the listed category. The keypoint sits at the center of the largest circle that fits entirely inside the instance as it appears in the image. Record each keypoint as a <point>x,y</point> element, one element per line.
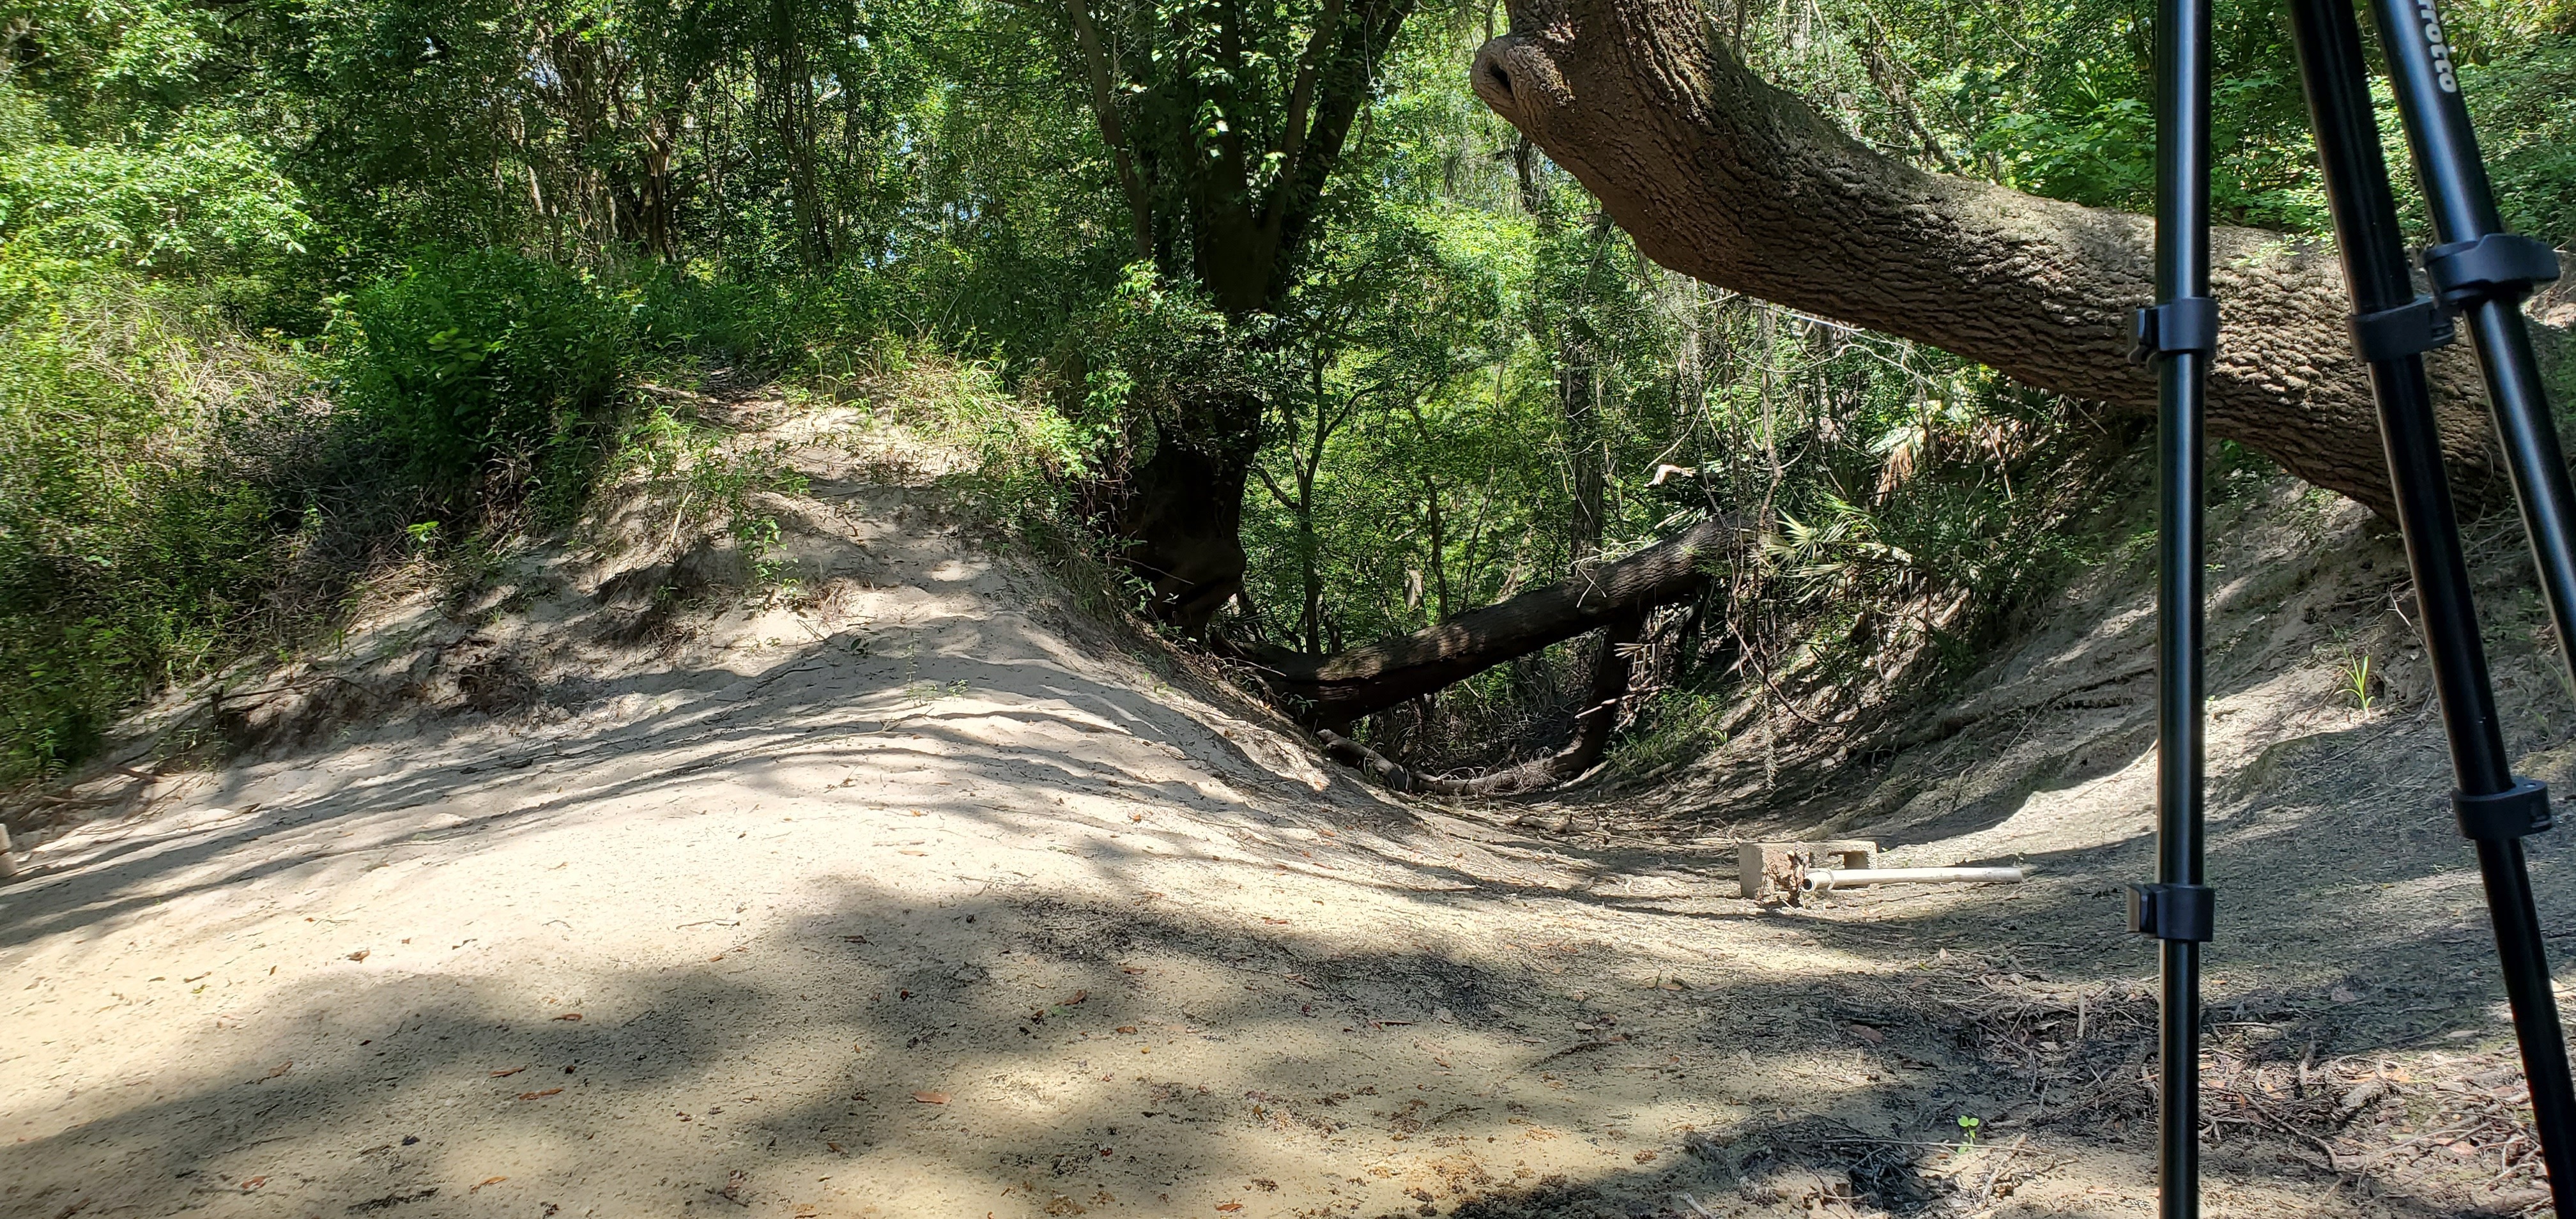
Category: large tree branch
<point>1113,132</point>
<point>1721,176</point>
<point>1301,95</point>
<point>1343,86</point>
<point>1334,690</point>
<point>1612,666</point>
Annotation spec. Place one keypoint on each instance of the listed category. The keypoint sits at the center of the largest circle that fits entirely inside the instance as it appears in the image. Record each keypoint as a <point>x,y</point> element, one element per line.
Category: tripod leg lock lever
<point>2498,266</point>
<point>2185,323</point>
<point>2516,812</point>
<point>2173,912</point>
<point>2411,329</point>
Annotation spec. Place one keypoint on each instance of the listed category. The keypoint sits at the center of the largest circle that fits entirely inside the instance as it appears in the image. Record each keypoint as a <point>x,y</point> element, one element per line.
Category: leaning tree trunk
<point>1612,667</point>
<point>1719,175</point>
<point>1331,691</point>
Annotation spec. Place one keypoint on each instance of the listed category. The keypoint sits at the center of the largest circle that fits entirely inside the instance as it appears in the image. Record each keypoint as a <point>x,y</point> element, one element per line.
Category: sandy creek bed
<point>930,897</point>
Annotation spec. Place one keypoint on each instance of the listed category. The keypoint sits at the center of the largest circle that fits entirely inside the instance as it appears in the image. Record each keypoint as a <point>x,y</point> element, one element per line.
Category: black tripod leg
<point>2393,329</point>
<point>2484,273</point>
<point>2181,332</point>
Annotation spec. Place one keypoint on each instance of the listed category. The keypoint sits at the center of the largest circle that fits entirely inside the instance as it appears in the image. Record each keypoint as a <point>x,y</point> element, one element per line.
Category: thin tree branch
<point>1301,97</point>
<point>1275,493</point>
<point>1104,109</point>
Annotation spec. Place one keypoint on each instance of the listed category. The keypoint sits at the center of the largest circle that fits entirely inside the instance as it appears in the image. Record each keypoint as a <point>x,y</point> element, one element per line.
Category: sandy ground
<point>922,894</point>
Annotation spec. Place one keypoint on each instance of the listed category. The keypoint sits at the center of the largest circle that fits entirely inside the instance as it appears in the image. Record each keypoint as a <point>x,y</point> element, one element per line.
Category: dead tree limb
<point>1612,667</point>
<point>1331,691</point>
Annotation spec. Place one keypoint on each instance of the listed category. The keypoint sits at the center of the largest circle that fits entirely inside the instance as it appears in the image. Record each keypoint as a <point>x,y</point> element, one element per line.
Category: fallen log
<point>1611,669</point>
<point>1332,691</point>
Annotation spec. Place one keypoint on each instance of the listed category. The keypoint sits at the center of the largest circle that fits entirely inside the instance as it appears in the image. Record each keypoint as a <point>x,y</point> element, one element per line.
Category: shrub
<point>192,198</point>
<point>492,373</point>
<point>762,327</point>
<point>133,549</point>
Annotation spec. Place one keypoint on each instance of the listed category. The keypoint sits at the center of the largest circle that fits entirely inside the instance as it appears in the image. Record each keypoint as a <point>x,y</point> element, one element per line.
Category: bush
<point>493,373</point>
<point>763,327</point>
<point>1155,361</point>
<point>2526,117</point>
<point>196,197</point>
<point>175,492</point>
<point>133,548</point>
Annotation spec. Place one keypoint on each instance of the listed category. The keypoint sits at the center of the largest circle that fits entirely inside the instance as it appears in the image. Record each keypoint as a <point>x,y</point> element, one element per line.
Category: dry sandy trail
<point>707,938</point>
<point>924,895</point>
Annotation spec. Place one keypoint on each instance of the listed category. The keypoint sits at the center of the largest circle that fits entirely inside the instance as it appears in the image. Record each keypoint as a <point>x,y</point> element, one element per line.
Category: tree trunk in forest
<point>1331,691</point>
<point>1242,198</point>
<point>1181,512</point>
<point>1719,175</point>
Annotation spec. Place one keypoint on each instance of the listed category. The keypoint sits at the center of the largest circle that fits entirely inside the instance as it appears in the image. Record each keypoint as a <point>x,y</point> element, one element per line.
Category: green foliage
<point>683,462</point>
<point>196,196</point>
<point>2057,98</point>
<point>2071,113</point>
<point>756,326</point>
<point>133,551</point>
<point>490,367</point>
<point>1154,363</point>
<point>2524,103</point>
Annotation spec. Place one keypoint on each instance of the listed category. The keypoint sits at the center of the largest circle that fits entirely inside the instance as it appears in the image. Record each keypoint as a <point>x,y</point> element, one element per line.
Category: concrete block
<point>1770,869</point>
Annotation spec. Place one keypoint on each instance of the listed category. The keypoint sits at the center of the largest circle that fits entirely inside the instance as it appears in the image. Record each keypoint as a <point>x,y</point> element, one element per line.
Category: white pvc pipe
<point>1826,880</point>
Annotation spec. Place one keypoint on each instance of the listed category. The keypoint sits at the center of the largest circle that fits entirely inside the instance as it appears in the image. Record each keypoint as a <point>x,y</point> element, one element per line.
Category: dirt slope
<point>623,889</point>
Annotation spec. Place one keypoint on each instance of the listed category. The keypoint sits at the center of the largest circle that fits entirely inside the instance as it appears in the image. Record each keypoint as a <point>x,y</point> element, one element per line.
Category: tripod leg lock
<point>2173,912</point>
<point>2185,323</point>
<point>2498,266</point>
<point>2516,812</point>
<point>2411,329</point>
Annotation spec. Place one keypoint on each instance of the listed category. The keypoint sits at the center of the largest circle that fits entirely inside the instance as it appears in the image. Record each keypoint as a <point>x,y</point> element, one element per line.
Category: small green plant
<point>706,481</point>
<point>927,691</point>
<point>2357,680</point>
<point>1968,1132</point>
<point>760,538</point>
<point>2355,675</point>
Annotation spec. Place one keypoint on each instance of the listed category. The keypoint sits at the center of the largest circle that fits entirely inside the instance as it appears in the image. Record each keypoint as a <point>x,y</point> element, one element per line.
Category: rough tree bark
<point>1331,691</point>
<point>1719,175</point>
